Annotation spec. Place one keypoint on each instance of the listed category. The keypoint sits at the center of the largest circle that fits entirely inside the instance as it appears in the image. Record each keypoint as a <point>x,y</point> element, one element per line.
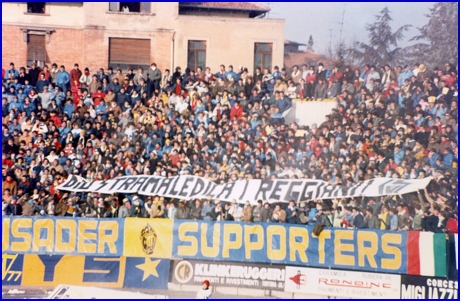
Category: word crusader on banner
<point>189,187</point>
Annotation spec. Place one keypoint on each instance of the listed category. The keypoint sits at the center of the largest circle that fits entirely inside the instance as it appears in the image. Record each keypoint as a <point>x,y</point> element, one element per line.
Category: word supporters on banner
<point>342,284</point>
<point>419,287</point>
<point>189,187</point>
<point>269,277</point>
<point>365,250</point>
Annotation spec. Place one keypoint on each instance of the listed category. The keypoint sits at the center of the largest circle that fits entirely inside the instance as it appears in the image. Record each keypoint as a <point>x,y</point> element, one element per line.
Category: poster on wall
<point>419,287</point>
<point>259,276</point>
<point>343,284</point>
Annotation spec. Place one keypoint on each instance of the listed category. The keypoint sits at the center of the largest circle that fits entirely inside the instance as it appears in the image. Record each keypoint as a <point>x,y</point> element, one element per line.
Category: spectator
<point>417,218</point>
<point>279,215</point>
<point>195,212</point>
<point>182,212</point>
<point>62,79</point>
<point>371,219</point>
<point>247,212</point>
<point>125,210</point>
<point>206,211</point>
<point>358,219</point>
<point>144,127</point>
<point>291,213</point>
<point>393,219</point>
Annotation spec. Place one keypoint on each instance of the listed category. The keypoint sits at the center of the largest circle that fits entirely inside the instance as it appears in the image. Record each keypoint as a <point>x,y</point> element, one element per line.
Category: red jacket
<point>47,75</point>
<point>236,112</point>
<point>56,120</point>
<point>97,96</point>
<point>310,78</point>
<point>75,76</point>
<point>452,225</point>
<point>335,77</point>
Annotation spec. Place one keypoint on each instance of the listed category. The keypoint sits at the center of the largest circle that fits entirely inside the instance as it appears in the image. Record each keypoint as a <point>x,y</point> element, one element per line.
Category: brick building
<point>123,34</point>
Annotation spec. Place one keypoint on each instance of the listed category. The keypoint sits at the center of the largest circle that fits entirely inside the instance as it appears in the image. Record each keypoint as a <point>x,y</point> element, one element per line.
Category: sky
<point>303,19</point>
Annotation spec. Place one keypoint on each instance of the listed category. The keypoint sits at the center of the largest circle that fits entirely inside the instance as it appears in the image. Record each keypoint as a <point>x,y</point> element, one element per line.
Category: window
<point>130,7</point>
<point>36,50</point>
<point>196,55</point>
<point>36,7</point>
<point>263,55</point>
<point>129,53</point>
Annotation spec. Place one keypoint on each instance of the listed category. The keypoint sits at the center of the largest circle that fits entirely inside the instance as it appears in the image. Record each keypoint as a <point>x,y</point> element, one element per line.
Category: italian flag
<point>426,254</point>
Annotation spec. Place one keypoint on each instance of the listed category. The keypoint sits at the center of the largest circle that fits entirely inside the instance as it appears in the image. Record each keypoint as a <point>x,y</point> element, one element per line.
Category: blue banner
<point>99,271</point>
<point>366,250</point>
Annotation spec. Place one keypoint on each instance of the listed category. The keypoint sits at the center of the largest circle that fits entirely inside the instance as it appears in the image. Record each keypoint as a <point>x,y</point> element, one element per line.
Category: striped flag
<point>426,254</point>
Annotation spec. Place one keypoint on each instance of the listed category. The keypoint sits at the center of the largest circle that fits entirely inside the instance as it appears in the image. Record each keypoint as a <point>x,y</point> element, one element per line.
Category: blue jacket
<point>255,123</point>
<point>30,108</point>
<point>13,71</point>
<point>13,127</point>
<point>438,112</point>
<point>21,97</point>
<point>403,76</point>
<point>15,104</point>
<point>432,160</point>
<point>68,109</point>
<point>290,219</point>
<point>358,221</point>
<point>416,98</point>
<point>276,75</point>
<point>27,89</point>
<point>101,108</point>
<point>448,160</point>
<point>311,216</point>
<point>41,84</point>
<point>204,212</point>
<point>16,86</point>
<point>283,104</point>
<point>399,156</point>
<point>63,132</point>
<point>232,74</point>
<point>62,78</point>
<point>59,97</point>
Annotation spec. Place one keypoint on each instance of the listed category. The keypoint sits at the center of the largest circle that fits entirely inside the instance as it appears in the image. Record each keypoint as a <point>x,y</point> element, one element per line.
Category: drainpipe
<point>172,52</point>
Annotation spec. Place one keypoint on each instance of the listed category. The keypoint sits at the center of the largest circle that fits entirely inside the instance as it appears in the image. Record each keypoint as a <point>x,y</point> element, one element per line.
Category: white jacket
<point>204,293</point>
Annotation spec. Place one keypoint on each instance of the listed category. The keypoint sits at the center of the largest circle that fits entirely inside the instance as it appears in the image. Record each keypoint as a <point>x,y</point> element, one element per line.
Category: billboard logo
<point>183,272</point>
<point>148,239</point>
<point>299,279</point>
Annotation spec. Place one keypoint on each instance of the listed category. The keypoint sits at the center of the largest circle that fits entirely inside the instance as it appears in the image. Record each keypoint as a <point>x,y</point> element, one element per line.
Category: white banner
<point>344,284</point>
<point>189,187</point>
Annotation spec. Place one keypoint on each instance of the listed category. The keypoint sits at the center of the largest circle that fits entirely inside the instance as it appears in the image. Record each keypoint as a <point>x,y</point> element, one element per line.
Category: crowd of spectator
<point>392,121</point>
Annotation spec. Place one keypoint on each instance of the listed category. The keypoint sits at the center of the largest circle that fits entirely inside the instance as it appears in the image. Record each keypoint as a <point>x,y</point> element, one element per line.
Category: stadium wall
<point>258,259</point>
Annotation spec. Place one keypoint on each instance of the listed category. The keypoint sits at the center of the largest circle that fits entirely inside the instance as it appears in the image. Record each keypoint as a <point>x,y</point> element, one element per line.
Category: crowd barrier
<point>289,259</point>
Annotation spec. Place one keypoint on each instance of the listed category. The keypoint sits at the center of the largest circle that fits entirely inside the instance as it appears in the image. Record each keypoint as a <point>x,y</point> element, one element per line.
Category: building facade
<point>132,34</point>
